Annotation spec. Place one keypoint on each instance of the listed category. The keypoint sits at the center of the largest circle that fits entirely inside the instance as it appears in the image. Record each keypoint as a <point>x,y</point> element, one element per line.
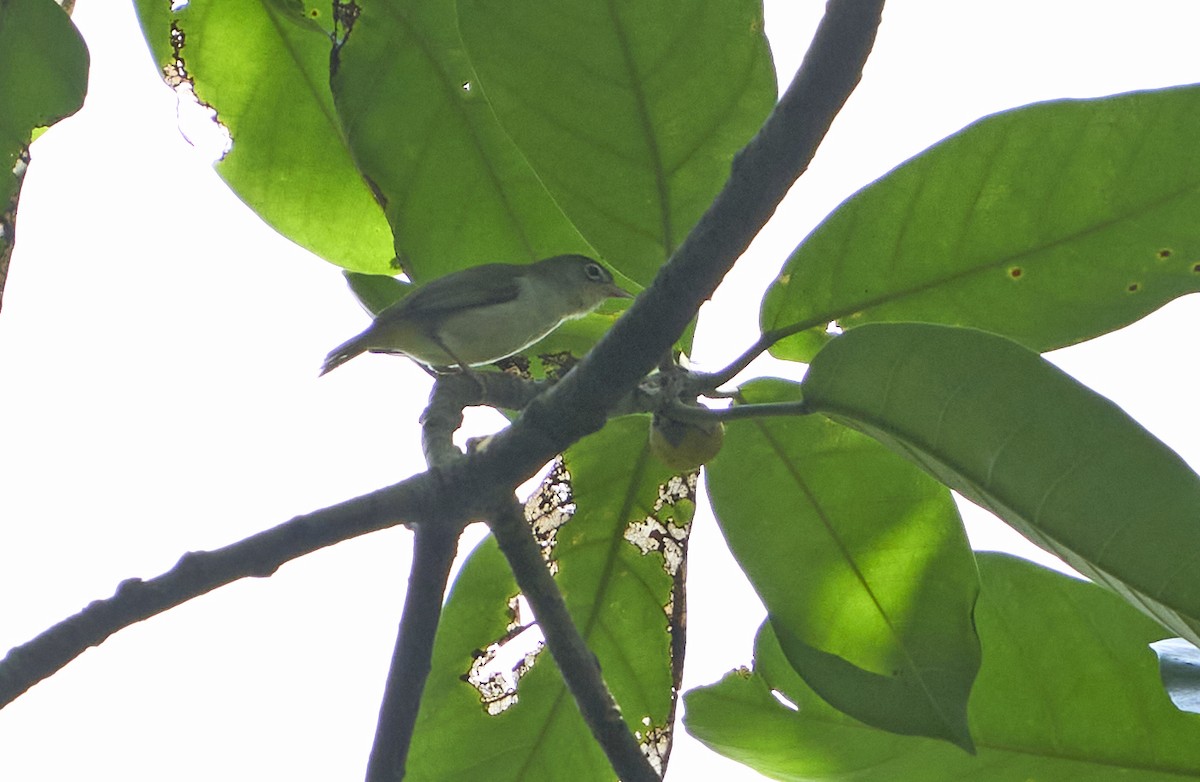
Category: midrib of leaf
<point>313,89</point>
<point>858,574</point>
<point>643,114</point>
<point>822,318</point>
<point>449,86</point>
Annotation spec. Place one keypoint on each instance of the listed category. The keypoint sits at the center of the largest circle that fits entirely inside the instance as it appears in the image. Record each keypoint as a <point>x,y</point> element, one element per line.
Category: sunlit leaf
<point>1068,691</point>
<point>1050,224</point>
<point>862,563</point>
<point>456,191</point>
<point>630,112</point>
<point>264,69</point>
<point>1006,428</point>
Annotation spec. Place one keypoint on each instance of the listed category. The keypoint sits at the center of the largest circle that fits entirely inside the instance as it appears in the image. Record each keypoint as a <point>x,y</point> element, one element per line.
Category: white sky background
<point>160,347</point>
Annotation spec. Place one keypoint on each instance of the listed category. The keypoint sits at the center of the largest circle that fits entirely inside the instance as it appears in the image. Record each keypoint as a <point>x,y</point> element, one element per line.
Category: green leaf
<point>1068,691</point>
<point>630,112</point>
<point>618,596</point>
<point>264,68</point>
<point>43,78</point>
<point>456,191</point>
<point>1062,464</point>
<point>1049,224</point>
<point>376,292</point>
<point>862,562</point>
<point>43,70</point>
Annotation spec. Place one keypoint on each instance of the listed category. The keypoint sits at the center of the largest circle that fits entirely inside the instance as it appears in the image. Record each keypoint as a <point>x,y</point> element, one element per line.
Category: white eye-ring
<point>595,272</point>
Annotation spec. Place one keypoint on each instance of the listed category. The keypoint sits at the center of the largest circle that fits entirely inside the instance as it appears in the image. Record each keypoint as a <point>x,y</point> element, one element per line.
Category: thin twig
<point>710,381</point>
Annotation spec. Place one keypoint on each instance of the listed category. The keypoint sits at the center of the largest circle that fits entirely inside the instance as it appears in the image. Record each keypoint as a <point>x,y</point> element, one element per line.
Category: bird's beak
<point>618,293</point>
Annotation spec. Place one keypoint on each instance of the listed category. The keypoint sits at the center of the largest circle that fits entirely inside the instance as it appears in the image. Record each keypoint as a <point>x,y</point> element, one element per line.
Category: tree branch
<point>434,548</point>
<point>579,667</point>
<point>459,492</point>
<point>197,573</point>
<point>433,554</point>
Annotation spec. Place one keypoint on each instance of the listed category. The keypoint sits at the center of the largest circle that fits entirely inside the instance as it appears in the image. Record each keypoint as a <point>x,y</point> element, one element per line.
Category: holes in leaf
<point>1016,272</point>
<point>655,743</point>
<point>1163,254</point>
<point>550,507</point>
<point>557,365</point>
<point>516,365</point>
<point>197,120</point>
<point>496,670</point>
<point>650,534</point>
<point>662,532</point>
<point>1134,287</point>
<point>783,699</point>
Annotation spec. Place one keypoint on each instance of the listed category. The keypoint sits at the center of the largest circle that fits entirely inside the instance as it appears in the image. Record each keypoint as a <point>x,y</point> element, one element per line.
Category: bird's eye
<point>595,272</point>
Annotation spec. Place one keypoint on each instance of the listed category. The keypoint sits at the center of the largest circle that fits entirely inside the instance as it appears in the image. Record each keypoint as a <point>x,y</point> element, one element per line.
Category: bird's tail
<point>343,353</point>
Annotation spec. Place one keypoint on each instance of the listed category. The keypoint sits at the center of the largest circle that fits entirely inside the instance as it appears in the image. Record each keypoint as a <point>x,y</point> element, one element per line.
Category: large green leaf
<point>630,112</point>
<point>618,596</point>
<point>1068,691</point>
<point>456,191</point>
<point>264,68</point>
<point>862,563</point>
<point>43,78</point>
<point>1050,224</point>
<point>1006,428</point>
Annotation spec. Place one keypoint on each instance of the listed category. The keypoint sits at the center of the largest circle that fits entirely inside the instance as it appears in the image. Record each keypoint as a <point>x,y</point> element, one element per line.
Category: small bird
<point>483,314</point>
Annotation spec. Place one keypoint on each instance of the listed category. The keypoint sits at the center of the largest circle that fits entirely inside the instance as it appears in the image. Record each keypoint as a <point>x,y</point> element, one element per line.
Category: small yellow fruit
<point>685,445</point>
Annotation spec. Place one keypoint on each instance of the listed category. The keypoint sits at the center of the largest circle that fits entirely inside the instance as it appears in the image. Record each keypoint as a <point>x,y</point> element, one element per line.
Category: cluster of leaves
<point>430,135</point>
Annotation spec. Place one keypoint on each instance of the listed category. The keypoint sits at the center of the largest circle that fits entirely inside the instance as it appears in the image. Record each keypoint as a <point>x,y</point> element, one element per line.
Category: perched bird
<point>485,313</point>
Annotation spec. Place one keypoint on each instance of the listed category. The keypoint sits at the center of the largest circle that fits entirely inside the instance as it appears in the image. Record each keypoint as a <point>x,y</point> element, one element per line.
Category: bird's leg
<point>462,365</point>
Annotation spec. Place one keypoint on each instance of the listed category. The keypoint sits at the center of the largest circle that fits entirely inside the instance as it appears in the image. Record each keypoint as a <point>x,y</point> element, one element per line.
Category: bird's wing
<point>478,286</point>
